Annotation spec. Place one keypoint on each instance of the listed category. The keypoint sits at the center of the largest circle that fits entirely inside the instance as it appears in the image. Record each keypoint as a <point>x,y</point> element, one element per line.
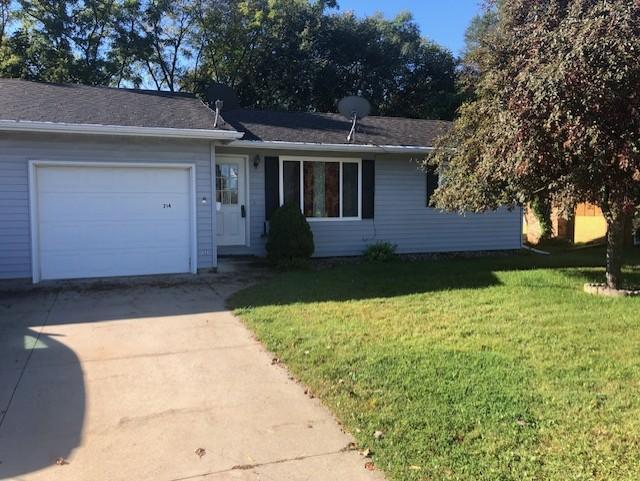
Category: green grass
<point>496,368</point>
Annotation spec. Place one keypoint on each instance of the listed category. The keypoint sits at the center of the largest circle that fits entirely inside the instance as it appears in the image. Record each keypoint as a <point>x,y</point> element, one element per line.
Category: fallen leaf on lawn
<point>378,435</point>
<point>200,452</point>
<point>61,461</point>
<point>366,453</point>
<point>415,468</point>
<point>369,466</point>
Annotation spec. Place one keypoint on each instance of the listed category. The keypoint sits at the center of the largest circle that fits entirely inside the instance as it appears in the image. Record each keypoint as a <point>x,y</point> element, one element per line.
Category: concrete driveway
<point>154,383</point>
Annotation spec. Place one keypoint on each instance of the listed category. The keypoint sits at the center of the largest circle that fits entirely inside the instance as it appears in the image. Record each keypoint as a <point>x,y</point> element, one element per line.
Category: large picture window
<point>324,189</point>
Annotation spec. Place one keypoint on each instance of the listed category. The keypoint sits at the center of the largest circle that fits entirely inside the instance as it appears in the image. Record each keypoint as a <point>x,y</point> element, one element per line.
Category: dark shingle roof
<point>81,104</point>
<point>333,128</point>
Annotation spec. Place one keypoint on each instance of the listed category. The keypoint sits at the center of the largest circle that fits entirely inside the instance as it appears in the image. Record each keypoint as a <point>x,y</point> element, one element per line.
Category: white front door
<point>230,197</point>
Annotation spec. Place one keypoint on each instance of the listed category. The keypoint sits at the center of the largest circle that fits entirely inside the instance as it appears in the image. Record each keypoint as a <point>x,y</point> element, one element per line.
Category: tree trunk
<point>615,246</point>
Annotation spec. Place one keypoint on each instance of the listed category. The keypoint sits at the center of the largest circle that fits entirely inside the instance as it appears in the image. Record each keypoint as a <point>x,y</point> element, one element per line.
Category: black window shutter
<point>432,183</point>
<point>271,185</point>
<point>368,188</point>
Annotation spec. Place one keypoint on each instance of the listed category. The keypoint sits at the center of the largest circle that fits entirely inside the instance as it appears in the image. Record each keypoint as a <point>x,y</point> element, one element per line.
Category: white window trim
<point>341,160</point>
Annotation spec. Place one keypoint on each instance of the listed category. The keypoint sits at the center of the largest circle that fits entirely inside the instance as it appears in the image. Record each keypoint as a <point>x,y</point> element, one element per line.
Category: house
<point>586,225</point>
<point>98,182</point>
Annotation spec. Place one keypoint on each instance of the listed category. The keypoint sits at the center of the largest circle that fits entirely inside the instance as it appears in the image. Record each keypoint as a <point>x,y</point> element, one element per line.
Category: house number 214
<point>166,206</point>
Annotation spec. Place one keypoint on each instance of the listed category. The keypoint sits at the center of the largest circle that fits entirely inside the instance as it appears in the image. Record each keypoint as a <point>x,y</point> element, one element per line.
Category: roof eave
<point>328,147</point>
<point>122,130</point>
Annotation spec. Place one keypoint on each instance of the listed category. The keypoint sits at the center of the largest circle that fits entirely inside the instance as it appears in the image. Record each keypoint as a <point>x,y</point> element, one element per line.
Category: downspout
<point>536,251</point>
<point>219,105</point>
<point>522,234</point>
<point>213,203</point>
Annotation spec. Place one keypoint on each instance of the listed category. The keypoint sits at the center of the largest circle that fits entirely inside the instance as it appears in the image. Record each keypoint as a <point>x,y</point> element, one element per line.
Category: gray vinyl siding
<point>401,217</point>
<point>17,149</point>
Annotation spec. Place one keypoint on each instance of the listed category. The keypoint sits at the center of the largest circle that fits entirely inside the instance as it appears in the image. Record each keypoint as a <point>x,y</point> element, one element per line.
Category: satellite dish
<point>354,108</point>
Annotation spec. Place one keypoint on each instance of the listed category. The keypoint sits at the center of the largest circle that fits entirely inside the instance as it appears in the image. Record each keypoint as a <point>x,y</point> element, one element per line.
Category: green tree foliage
<point>5,18</point>
<point>166,28</point>
<point>284,54</point>
<point>542,211</point>
<point>389,63</point>
<point>7,56</point>
<point>66,41</point>
<point>293,54</point>
<point>557,110</point>
<point>480,27</point>
<point>129,48</point>
<point>263,49</point>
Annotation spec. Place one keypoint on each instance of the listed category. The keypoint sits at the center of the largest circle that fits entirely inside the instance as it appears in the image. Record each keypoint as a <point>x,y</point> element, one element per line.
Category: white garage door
<point>112,221</point>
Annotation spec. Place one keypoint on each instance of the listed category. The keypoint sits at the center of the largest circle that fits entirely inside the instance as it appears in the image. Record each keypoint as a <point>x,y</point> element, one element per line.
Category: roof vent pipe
<point>352,132</point>
<point>219,105</point>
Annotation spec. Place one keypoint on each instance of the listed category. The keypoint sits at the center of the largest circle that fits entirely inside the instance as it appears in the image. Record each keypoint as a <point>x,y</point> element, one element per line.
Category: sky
<point>443,21</point>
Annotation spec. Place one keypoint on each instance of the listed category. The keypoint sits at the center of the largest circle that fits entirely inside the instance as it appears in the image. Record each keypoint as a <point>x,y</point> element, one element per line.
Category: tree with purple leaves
<point>556,114</point>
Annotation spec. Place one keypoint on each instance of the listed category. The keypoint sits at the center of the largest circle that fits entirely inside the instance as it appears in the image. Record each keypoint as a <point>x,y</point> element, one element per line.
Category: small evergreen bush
<point>380,252</point>
<point>290,241</point>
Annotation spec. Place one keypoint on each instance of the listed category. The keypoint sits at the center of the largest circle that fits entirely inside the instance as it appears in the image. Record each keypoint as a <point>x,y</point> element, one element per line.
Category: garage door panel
<point>111,180</point>
<point>108,235</point>
<point>86,207</point>
<point>113,221</point>
<point>75,265</point>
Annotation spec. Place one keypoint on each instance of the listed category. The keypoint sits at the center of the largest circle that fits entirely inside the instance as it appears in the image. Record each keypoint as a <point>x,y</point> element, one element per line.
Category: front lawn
<point>496,368</point>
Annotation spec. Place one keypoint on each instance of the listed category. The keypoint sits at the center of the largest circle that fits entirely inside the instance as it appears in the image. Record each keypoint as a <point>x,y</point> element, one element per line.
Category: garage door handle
<point>243,211</point>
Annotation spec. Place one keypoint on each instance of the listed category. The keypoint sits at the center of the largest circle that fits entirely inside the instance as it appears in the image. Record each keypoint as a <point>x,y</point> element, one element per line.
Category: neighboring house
<point>587,225</point>
<point>98,182</point>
